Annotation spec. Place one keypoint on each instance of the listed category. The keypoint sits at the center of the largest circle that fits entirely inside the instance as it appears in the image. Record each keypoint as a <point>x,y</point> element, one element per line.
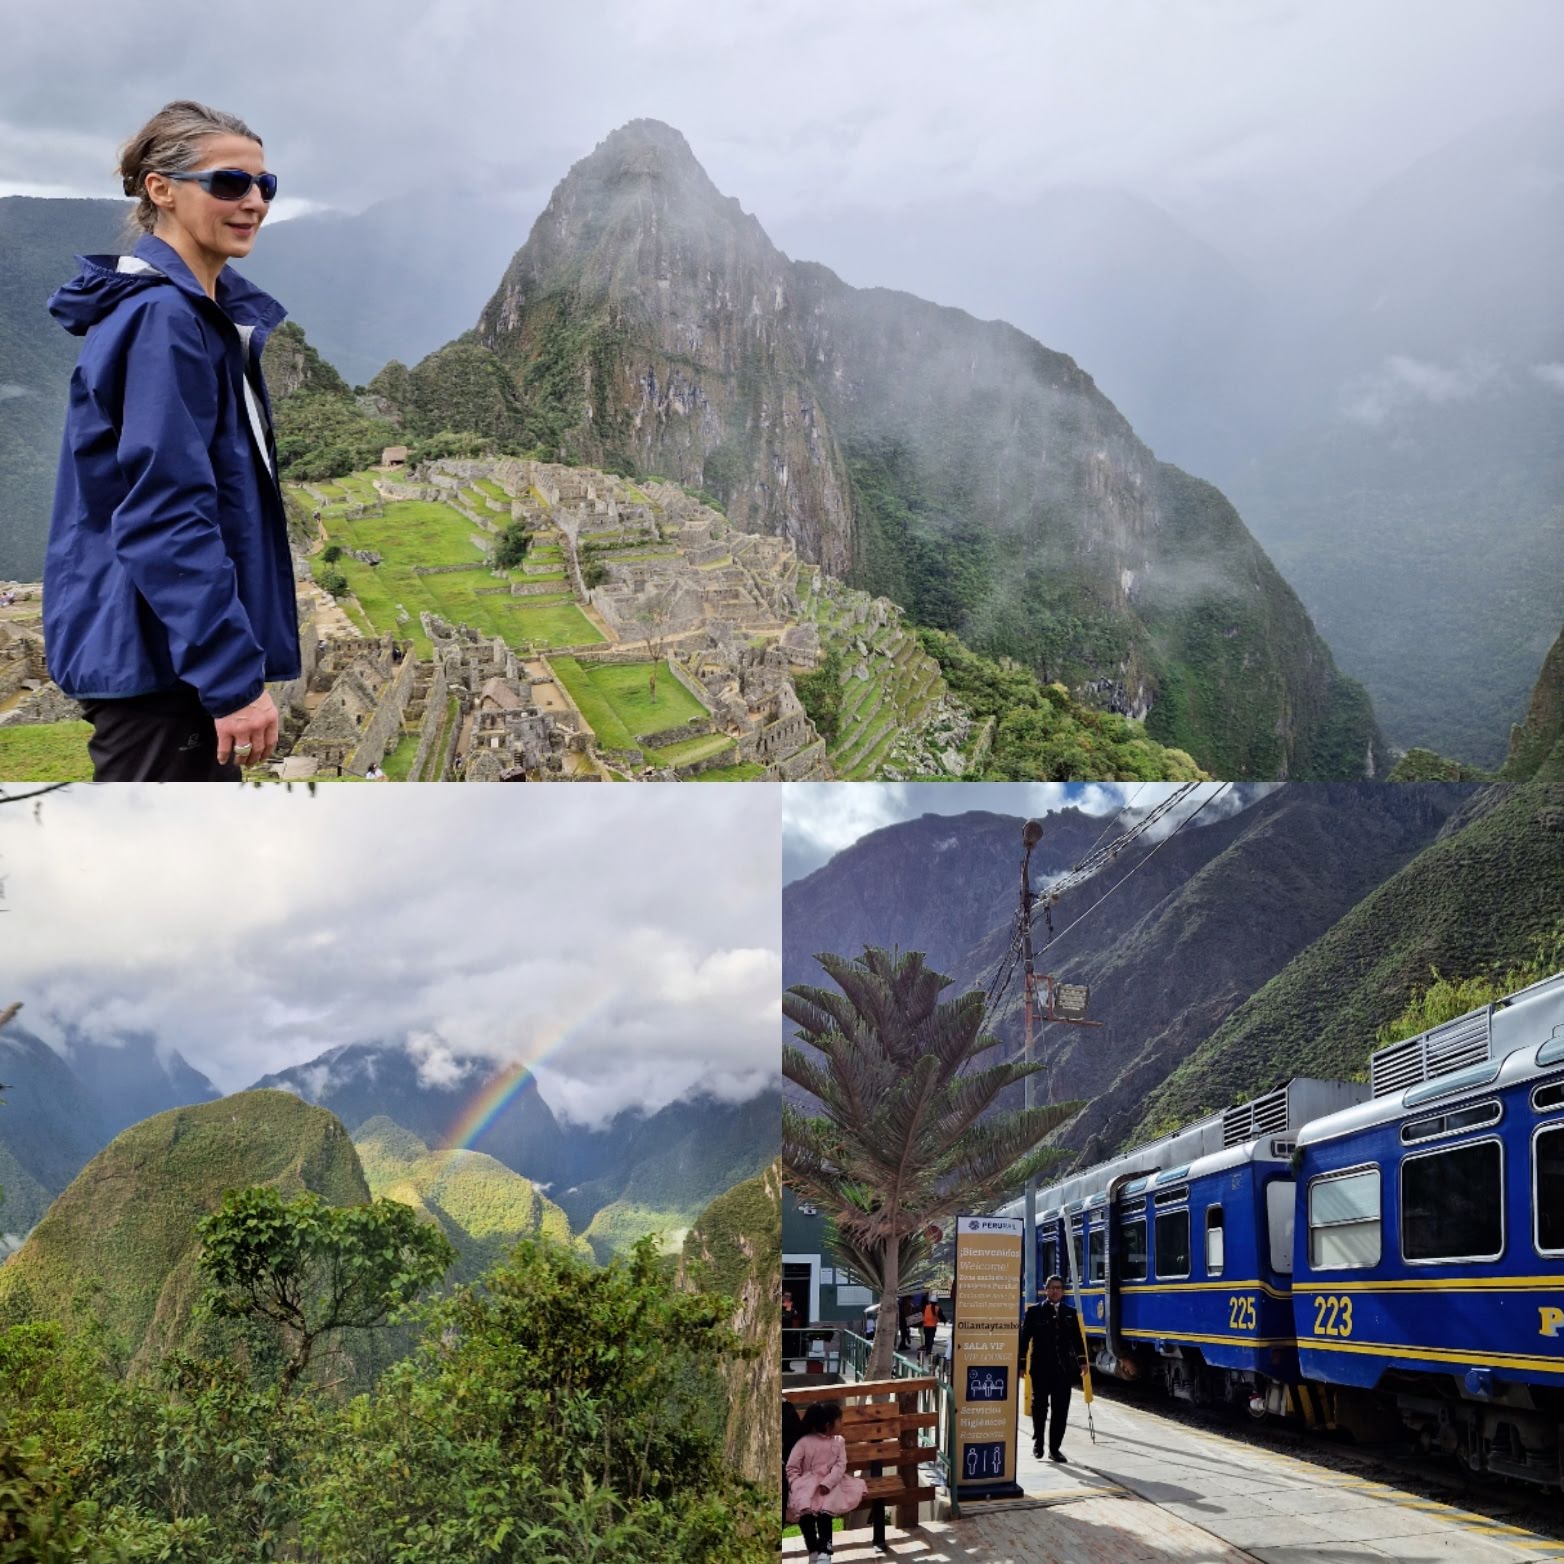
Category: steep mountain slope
<point>483,1207</point>
<point>955,465</point>
<point>1476,901</point>
<point>1537,744</point>
<point>938,884</point>
<point>362,1081</point>
<point>38,239</point>
<point>735,1248</point>
<point>123,1232</point>
<point>661,1169</point>
<point>1188,930</point>
<point>61,1111</point>
<point>639,1173</point>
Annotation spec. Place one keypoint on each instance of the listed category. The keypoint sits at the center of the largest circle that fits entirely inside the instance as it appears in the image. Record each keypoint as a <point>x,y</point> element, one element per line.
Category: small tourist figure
<point>375,774</point>
<point>819,1487</point>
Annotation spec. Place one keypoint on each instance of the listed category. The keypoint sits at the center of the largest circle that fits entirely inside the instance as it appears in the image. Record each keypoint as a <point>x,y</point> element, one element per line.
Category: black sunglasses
<point>228,184</point>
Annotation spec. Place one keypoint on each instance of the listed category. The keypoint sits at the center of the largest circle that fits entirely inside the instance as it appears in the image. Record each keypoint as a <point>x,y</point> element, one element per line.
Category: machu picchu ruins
<point>641,636</point>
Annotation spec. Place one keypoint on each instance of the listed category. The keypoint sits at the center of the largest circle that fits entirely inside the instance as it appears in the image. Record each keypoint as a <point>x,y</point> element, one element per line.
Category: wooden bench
<point>881,1423</point>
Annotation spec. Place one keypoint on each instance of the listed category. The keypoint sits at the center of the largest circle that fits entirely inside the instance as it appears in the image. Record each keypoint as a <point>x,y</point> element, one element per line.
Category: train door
<point>1281,1204</point>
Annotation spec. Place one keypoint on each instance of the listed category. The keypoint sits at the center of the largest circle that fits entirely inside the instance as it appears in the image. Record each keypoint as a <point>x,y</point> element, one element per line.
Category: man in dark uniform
<point>1052,1334</point>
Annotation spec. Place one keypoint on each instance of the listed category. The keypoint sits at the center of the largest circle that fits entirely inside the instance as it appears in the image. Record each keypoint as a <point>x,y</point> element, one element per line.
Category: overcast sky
<point>1230,113</point>
<point>821,819</point>
<point>254,929</point>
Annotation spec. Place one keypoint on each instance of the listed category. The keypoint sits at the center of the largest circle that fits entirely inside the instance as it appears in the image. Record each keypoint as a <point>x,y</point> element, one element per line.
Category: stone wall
<point>292,692</point>
<point>383,727</point>
<point>433,716</point>
<point>695,728</point>
<point>48,703</point>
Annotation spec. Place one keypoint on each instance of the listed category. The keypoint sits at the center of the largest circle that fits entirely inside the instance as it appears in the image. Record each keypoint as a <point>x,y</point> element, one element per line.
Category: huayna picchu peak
<point>958,467</point>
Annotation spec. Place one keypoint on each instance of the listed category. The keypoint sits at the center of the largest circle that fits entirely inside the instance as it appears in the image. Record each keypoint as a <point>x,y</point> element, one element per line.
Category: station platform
<point>1151,1489</point>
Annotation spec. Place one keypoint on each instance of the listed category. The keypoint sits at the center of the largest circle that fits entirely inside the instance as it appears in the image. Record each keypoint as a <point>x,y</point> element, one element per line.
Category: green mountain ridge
<point>481,1205</point>
<point>735,1248</point>
<point>122,1234</point>
<point>1483,898</point>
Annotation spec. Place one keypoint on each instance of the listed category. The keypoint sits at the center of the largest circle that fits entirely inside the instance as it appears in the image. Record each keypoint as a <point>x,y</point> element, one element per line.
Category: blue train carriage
<point>1183,1250</point>
<point>1429,1273</point>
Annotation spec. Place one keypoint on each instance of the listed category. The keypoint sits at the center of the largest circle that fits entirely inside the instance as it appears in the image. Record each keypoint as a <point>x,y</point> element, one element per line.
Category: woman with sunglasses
<point>168,584</point>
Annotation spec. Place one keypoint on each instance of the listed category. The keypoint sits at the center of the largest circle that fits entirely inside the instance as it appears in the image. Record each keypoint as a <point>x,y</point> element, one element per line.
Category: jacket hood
<point>105,280</point>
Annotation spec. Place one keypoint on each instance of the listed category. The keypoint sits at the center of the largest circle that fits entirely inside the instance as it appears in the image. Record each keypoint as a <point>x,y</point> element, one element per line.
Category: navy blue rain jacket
<point>168,550</point>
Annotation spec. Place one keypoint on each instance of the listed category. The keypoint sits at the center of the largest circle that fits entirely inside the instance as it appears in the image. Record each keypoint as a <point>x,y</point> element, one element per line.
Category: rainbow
<point>479,1115</point>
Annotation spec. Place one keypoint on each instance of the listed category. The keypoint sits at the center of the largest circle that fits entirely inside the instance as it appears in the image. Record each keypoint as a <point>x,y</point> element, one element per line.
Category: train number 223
<point>1332,1316</point>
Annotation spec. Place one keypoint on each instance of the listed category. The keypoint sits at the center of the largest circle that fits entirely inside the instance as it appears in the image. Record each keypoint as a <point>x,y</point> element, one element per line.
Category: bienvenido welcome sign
<point>983,1357</point>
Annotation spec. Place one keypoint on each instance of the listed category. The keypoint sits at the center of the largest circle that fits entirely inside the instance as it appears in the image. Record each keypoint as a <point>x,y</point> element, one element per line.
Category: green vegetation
<point>483,1207</point>
<point>414,536</point>
<point>311,1269</point>
<point>902,1082</point>
<point>1447,998</point>
<point>821,694</point>
<point>399,760</point>
<point>735,1248</point>
<point>1479,903</point>
<point>622,1224</point>
<point>512,546</point>
<point>554,1413</point>
<point>616,702</point>
<point>127,1245</point>
<point>1423,765</point>
<point>1040,731</point>
<point>45,752</point>
<point>747,771</point>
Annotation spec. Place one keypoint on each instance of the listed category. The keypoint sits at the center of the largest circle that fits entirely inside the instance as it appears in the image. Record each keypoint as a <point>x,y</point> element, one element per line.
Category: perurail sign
<point>983,1355</point>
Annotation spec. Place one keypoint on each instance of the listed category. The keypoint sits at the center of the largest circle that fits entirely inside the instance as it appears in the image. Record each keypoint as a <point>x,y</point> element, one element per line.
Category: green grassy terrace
<point>416,534</point>
<point>45,752</point>
<point>618,706</point>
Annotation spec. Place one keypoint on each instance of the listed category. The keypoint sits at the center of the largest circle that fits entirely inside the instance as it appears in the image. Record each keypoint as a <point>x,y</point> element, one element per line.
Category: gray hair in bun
<point>171,142</point>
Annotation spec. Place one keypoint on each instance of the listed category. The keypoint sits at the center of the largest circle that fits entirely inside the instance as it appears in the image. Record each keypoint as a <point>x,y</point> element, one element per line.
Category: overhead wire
<point>1140,864</point>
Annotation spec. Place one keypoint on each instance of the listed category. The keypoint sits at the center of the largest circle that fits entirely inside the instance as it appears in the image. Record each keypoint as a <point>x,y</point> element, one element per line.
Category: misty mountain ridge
<point>958,467</point>
<point>1429,306</point>
<point>1189,929</point>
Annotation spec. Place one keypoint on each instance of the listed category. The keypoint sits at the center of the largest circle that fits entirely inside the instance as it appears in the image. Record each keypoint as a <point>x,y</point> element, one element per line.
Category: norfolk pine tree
<point>906,1139</point>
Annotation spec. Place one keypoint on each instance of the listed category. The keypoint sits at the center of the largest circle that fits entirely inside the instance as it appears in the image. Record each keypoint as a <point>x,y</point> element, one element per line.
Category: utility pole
<point>1031,835</point>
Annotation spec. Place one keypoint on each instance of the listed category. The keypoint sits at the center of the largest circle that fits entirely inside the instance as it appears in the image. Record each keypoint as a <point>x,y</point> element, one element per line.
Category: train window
<point>1344,1226</point>
<point>1132,1247</point>
<point>1213,1240</point>
<point>1050,1260</point>
<point>1452,1203</point>
<point>1548,1096</point>
<point>1279,1206</point>
<point>1173,1242</point>
<point>1096,1267</point>
<point>1451,1123</point>
<point>1547,1191</point>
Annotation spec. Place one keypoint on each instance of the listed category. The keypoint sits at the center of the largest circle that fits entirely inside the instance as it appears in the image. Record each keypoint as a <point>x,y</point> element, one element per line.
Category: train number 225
<point>1240,1313</point>
<point>1332,1316</point>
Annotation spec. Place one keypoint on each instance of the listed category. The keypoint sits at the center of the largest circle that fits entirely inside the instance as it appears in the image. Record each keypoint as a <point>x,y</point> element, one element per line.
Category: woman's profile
<point>168,584</point>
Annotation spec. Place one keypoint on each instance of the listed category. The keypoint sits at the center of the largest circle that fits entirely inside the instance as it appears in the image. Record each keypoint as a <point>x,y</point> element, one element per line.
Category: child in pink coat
<point>818,1485</point>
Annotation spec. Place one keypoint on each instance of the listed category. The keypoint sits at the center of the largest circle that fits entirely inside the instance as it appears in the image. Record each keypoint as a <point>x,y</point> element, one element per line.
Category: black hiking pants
<point>167,736</point>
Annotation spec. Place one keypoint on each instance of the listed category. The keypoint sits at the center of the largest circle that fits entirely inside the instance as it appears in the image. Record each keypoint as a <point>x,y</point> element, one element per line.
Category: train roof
<point>1246,1132</point>
<point>1489,1049</point>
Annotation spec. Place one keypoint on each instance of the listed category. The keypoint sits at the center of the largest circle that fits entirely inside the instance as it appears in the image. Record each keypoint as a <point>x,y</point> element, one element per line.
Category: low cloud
<point>1402,381</point>
<point>623,943</point>
<point>9,390</point>
<point>1551,375</point>
<point>821,819</point>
